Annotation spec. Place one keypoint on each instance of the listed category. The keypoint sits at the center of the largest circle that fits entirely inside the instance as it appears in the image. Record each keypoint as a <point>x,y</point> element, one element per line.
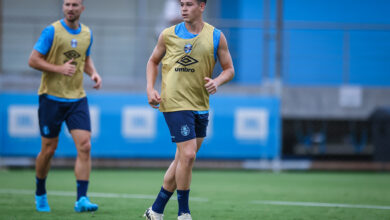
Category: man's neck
<point>195,27</point>
<point>72,25</point>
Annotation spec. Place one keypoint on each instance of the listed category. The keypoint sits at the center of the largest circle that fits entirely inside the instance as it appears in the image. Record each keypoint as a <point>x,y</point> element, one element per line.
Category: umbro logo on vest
<point>187,60</point>
<point>72,54</point>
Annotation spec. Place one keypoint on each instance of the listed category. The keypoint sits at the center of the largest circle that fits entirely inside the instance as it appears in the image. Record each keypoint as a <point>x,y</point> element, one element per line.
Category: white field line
<point>195,199</point>
<point>92,194</point>
<point>317,204</point>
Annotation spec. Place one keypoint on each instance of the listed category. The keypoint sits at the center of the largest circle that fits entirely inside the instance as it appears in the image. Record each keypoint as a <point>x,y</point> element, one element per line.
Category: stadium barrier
<point>124,126</point>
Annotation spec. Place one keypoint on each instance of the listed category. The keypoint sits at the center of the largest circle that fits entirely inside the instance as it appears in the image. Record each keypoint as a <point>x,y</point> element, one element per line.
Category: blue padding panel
<point>313,57</point>
<point>124,126</point>
<point>370,58</point>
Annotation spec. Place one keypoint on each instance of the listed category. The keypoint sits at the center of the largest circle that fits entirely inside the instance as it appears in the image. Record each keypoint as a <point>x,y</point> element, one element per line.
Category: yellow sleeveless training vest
<point>65,47</point>
<point>185,65</point>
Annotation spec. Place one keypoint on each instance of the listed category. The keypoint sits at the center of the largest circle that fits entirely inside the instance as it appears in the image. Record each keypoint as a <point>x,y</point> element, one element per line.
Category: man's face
<point>72,9</point>
<point>191,9</point>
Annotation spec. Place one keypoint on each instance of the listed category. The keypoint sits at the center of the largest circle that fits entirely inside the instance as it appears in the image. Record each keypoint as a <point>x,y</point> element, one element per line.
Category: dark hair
<point>199,1</point>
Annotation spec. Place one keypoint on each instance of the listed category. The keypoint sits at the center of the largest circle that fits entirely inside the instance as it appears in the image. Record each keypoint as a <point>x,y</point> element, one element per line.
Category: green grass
<point>230,194</point>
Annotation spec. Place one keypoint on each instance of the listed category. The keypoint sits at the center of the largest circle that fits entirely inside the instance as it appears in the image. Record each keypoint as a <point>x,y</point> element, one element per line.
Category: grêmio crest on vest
<point>186,60</point>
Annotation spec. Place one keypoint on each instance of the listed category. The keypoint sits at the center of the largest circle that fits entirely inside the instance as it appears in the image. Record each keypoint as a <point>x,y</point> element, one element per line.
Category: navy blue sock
<point>41,186</point>
<point>182,198</point>
<point>82,187</point>
<point>161,200</point>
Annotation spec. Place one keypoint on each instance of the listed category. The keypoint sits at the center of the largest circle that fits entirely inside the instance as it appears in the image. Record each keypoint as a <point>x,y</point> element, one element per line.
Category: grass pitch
<point>125,194</point>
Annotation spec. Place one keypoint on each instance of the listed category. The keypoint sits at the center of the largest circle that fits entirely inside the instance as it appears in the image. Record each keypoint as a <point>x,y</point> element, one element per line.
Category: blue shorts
<point>52,113</point>
<point>187,125</point>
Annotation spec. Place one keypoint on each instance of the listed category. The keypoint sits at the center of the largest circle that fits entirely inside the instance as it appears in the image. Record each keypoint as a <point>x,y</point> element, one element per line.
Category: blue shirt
<point>45,41</point>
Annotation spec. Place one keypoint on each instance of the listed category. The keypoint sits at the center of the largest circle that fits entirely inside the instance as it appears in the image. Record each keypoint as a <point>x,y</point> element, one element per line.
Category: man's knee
<point>49,152</point>
<point>188,156</point>
<point>85,146</point>
<point>49,148</point>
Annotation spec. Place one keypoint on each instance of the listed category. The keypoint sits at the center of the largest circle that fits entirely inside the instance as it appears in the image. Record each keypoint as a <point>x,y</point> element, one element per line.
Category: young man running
<point>188,52</point>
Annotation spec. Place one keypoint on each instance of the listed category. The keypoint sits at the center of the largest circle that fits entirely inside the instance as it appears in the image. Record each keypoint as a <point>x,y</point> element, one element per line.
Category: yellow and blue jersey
<point>59,44</point>
<point>188,59</point>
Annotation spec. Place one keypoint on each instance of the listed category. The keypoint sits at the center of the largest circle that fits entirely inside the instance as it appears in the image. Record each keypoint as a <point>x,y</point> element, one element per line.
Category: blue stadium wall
<point>124,126</point>
<point>326,43</point>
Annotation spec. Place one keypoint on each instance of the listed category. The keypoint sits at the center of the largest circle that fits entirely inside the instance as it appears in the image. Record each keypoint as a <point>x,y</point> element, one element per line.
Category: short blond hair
<point>82,1</point>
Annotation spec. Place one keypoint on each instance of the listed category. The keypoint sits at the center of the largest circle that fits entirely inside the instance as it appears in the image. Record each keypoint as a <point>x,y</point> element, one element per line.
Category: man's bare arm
<point>227,66</point>
<point>38,61</point>
<point>152,71</point>
<point>89,69</point>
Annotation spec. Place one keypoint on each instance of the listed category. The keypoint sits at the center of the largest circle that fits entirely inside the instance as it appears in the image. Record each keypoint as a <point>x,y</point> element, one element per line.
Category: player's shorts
<point>187,125</point>
<point>52,113</point>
